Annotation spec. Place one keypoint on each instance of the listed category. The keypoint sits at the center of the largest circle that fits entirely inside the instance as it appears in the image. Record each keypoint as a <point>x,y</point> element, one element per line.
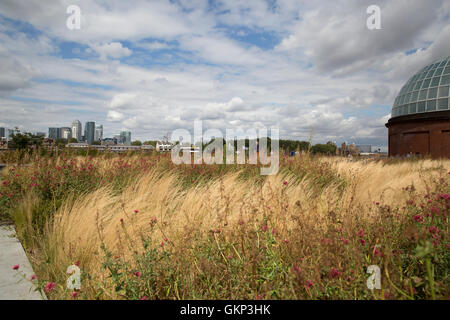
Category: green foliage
<point>324,149</point>
<point>136,143</point>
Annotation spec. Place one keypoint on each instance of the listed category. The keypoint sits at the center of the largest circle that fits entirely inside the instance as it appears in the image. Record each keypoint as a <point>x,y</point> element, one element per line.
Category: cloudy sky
<point>306,67</point>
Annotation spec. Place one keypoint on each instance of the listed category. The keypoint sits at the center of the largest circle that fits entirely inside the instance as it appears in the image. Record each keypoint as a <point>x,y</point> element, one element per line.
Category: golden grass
<point>80,226</point>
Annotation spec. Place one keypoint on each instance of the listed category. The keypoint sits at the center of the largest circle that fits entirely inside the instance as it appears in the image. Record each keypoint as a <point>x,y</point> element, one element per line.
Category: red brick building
<point>420,117</point>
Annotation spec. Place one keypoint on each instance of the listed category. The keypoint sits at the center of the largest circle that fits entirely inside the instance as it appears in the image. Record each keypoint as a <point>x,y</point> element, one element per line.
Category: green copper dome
<point>426,91</point>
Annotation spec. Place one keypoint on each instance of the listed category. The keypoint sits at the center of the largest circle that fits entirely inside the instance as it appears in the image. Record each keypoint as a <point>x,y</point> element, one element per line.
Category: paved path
<point>12,284</point>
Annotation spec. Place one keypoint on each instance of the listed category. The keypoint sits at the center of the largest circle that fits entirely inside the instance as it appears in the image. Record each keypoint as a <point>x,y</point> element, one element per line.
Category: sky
<point>309,68</point>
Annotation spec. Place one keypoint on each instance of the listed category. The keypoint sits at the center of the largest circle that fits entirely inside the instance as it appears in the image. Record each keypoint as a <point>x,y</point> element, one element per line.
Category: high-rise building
<point>98,133</point>
<point>54,133</point>
<point>89,131</point>
<point>65,133</point>
<point>125,137</point>
<point>76,130</point>
<point>2,133</point>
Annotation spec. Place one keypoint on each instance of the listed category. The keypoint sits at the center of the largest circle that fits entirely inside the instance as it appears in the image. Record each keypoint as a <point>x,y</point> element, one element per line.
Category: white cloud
<point>113,50</point>
<point>114,116</point>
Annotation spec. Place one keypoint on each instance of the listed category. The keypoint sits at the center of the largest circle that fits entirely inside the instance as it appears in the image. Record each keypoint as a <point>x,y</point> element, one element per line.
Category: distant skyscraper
<point>2,133</point>
<point>89,131</point>
<point>65,133</point>
<point>53,133</point>
<point>98,133</point>
<point>125,137</point>
<point>76,130</point>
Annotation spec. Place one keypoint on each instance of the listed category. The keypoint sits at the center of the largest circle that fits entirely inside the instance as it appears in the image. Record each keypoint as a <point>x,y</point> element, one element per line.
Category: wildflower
<point>433,229</point>
<point>360,233</point>
<point>33,277</point>
<point>77,263</point>
<point>363,242</point>
<point>334,273</point>
<point>285,182</point>
<point>326,241</point>
<point>286,241</point>
<point>308,284</point>
<point>121,220</point>
<point>136,211</point>
<point>264,228</point>
<point>259,297</point>
<point>296,269</point>
<point>344,241</point>
<point>377,203</point>
<point>387,295</point>
<point>418,218</point>
<point>137,274</point>
<point>144,298</point>
<point>162,244</point>
<point>74,294</point>
<point>16,267</point>
<point>49,286</point>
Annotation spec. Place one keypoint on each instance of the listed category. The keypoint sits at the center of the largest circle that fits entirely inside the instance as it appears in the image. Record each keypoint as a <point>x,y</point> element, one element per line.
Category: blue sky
<point>154,66</point>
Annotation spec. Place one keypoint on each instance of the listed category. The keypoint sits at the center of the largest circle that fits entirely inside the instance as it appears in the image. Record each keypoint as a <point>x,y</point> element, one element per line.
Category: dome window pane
<point>426,83</point>
<point>423,94</point>
<point>418,85</point>
<point>412,108</point>
<point>447,70</point>
<point>443,91</point>
<point>430,73</point>
<point>435,81</point>
<point>421,106</point>
<point>432,93</point>
<point>443,63</point>
<point>445,80</point>
<point>443,104</point>
<point>414,96</point>
<point>431,105</point>
<point>439,71</point>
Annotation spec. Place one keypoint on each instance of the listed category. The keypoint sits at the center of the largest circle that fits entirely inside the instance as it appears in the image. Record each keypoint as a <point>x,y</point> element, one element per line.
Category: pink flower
<point>360,233</point>
<point>49,286</point>
<point>16,267</point>
<point>33,277</point>
<point>286,241</point>
<point>433,229</point>
<point>308,284</point>
<point>418,218</point>
<point>137,274</point>
<point>344,241</point>
<point>136,211</point>
<point>285,182</point>
<point>264,228</point>
<point>377,203</point>
<point>363,242</point>
<point>144,298</point>
<point>334,273</point>
<point>77,263</point>
<point>74,294</point>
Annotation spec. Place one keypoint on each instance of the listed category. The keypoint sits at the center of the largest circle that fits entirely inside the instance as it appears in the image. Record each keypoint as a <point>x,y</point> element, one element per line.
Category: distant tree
<point>73,140</point>
<point>20,140</point>
<point>150,142</point>
<point>136,143</point>
<point>324,148</point>
<point>96,143</point>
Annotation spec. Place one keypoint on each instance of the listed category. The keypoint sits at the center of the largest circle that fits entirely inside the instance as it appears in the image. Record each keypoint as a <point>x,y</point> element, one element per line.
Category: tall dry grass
<point>296,211</point>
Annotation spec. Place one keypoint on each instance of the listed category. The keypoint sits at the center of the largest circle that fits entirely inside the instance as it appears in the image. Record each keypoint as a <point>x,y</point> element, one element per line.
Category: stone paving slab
<point>13,285</point>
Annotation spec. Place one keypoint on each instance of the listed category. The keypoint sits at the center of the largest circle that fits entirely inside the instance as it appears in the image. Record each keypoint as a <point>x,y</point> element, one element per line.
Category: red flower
<point>360,233</point>
<point>33,277</point>
<point>433,229</point>
<point>16,267</point>
<point>121,220</point>
<point>285,182</point>
<point>77,263</point>
<point>136,211</point>
<point>363,242</point>
<point>418,218</point>
<point>137,274</point>
<point>74,294</point>
<point>144,298</point>
<point>334,273</point>
<point>286,241</point>
<point>377,203</point>
<point>49,286</point>
<point>308,284</point>
<point>264,228</point>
